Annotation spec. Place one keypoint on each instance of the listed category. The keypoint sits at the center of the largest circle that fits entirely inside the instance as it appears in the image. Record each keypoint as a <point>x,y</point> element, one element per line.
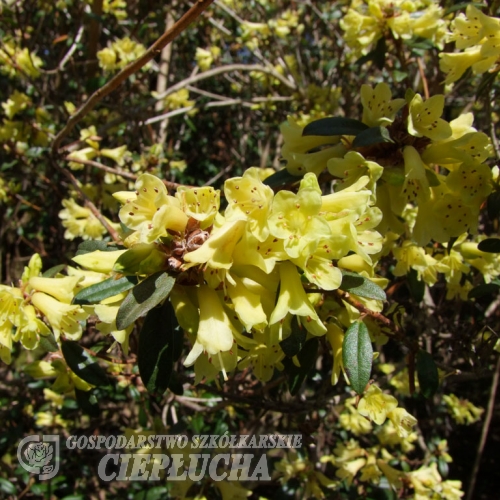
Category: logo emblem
<point>40,455</point>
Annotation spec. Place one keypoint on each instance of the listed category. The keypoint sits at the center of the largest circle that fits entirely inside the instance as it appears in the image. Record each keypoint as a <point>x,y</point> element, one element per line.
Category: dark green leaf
<point>92,246</point>
<point>361,286</point>
<point>372,135</point>
<point>143,297</point>
<point>490,245</point>
<point>432,178</point>
<point>357,356</point>
<point>50,273</point>
<point>175,385</point>
<point>493,205</point>
<point>155,493</point>
<point>377,55</point>
<point>484,289</point>
<point>7,487</point>
<point>49,343</point>
<point>307,357</point>
<point>87,402</point>
<point>334,125</point>
<point>160,345</point>
<point>107,288</point>
<point>416,286</point>
<point>293,344</point>
<point>281,178</point>
<point>83,364</point>
<point>427,373</point>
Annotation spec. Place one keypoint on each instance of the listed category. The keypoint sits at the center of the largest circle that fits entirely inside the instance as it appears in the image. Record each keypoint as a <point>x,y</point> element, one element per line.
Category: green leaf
<point>87,402</point>
<point>416,286</point>
<point>107,288</point>
<point>482,290</point>
<point>49,343</point>
<point>372,135</point>
<point>361,286</point>
<point>293,344</point>
<point>394,176</point>
<point>155,493</point>
<point>7,487</point>
<point>83,364</point>
<point>50,273</point>
<point>432,178</point>
<point>143,297</point>
<point>92,246</point>
<point>427,373</point>
<point>357,356</point>
<point>377,55</point>
<point>334,125</point>
<point>160,345</point>
<point>490,245</point>
<point>493,205</point>
<point>175,385</point>
<point>307,357</point>
<point>281,178</point>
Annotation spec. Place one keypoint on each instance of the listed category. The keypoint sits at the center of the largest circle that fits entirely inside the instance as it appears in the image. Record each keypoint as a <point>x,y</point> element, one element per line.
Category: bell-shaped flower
<point>63,318</point>
<point>247,305</point>
<point>403,421</point>
<point>151,211</point>
<point>60,288</point>
<point>99,261</point>
<point>10,301</point>
<point>249,198</point>
<point>262,254</point>
<point>318,267</point>
<point>335,337</point>
<point>264,356</point>
<point>84,154</point>
<point>454,65</point>
<point>118,154</point>
<point>352,167</point>
<point>466,29</point>
<point>392,475</point>
<point>217,251</point>
<point>471,182</point>
<point>33,268</point>
<point>30,328</point>
<point>293,300</point>
<point>375,405</point>
<point>215,330</point>
<point>200,203</point>
<point>295,220</point>
<point>379,109</point>
<point>415,185</point>
<point>424,119</point>
<point>6,341</point>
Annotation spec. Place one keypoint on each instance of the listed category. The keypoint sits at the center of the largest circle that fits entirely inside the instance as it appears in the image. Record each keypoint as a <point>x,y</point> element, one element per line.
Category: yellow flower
<point>293,300</point>
<point>375,405</point>
<point>378,106</point>
<point>425,119</point>
<point>60,288</point>
<point>30,328</point>
<point>462,410</point>
<point>402,421</point>
<point>63,318</point>
<point>215,331</point>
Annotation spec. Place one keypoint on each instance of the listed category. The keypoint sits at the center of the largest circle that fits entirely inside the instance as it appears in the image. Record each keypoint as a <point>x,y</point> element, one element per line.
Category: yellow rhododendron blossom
<point>376,405</point>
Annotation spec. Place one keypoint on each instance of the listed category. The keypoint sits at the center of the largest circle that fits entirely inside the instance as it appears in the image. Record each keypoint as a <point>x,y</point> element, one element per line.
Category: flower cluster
<point>120,53</point>
<point>368,21</point>
<point>428,176</point>
<point>240,275</point>
<point>477,36</point>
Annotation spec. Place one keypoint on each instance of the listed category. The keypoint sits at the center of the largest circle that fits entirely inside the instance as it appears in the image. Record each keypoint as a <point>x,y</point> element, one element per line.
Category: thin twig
<point>193,13</point>
<point>100,166</point>
<point>484,433</point>
<point>88,203</point>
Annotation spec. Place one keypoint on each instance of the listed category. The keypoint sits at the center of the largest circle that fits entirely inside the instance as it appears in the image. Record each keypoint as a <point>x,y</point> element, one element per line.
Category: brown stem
<point>193,13</point>
<point>95,211</point>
